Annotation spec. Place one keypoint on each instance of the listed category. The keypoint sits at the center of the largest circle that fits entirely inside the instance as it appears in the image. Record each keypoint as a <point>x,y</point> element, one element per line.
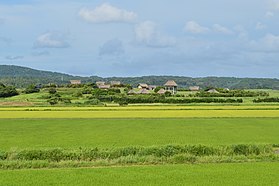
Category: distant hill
<point>22,76</point>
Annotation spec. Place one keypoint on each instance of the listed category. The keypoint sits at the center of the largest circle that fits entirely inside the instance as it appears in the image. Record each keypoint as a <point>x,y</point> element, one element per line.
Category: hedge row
<point>161,99</point>
<point>260,100</point>
<point>92,154</point>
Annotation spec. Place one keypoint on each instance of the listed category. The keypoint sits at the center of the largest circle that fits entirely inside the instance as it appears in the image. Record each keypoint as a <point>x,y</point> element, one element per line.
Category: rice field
<point>204,174</point>
<point>74,133</point>
<point>140,114</point>
<point>141,126</point>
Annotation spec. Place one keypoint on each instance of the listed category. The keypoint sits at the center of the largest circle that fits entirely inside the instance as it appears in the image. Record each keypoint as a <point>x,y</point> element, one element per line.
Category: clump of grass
<point>41,158</point>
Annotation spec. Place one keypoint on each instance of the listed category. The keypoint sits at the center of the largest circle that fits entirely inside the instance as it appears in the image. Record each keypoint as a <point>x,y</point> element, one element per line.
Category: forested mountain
<point>22,76</point>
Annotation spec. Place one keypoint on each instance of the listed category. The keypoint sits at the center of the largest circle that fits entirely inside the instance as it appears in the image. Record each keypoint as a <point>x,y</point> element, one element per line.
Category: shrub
<point>31,89</point>
<point>52,91</point>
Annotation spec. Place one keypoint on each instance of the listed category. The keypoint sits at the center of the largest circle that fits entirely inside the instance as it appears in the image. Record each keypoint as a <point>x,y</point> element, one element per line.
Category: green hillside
<point>23,76</point>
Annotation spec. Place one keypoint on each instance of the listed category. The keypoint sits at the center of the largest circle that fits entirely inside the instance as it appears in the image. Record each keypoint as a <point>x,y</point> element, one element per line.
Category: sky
<point>232,38</point>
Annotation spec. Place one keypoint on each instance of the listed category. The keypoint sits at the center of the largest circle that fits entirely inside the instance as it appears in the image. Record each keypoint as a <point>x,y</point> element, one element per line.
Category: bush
<point>31,89</point>
<point>269,100</point>
<point>7,91</point>
<point>93,102</point>
<point>52,91</point>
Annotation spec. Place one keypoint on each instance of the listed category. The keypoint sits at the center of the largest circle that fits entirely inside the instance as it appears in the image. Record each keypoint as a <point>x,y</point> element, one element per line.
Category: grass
<point>204,174</point>
<point>141,114</point>
<point>74,133</point>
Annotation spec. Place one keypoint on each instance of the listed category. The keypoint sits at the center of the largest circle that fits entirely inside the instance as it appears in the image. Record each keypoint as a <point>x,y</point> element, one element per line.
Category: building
<point>194,88</point>
<point>151,87</point>
<point>143,91</point>
<point>212,91</point>
<point>171,86</point>
<point>161,91</point>
<point>75,82</point>
<point>142,86</point>
<point>104,86</point>
<point>115,83</point>
<point>100,83</point>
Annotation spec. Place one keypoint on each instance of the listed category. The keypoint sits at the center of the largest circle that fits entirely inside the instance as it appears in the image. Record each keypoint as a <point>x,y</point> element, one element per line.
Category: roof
<point>161,91</point>
<point>143,91</point>
<point>143,85</point>
<point>75,81</point>
<point>170,83</point>
<point>104,86</point>
<point>115,82</point>
<point>193,88</point>
<point>100,83</point>
<point>212,91</point>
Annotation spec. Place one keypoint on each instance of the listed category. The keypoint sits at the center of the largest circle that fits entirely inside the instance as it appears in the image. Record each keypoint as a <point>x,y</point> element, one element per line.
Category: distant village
<point>143,88</point>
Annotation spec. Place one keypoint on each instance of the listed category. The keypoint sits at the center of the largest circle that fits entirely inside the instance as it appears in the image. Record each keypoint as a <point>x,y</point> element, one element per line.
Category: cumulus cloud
<point>147,33</point>
<point>269,43</point>
<point>107,13</point>
<point>221,29</point>
<point>111,47</point>
<point>51,40</point>
<point>14,57</point>
<point>260,26</point>
<point>269,14</point>
<point>195,28</point>
<point>274,4</point>
<point>41,53</point>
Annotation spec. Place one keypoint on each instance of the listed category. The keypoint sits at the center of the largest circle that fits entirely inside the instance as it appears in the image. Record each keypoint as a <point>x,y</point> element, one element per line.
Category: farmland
<point>204,174</point>
<point>66,133</point>
<point>175,144</point>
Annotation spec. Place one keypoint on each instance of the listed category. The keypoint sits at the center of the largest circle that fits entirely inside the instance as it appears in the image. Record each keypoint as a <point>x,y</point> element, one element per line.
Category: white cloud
<point>106,13</point>
<point>51,40</point>
<point>41,53</point>
<point>241,32</point>
<point>269,14</point>
<point>260,26</point>
<point>221,29</point>
<point>274,4</point>
<point>269,43</point>
<point>195,28</point>
<point>147,33</point>
<point>14,57</point>
<point>111,47</point>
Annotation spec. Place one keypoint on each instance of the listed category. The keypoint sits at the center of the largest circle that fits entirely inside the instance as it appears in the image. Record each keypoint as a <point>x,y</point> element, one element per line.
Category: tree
<point>31,89</point>
<point>7,91</point>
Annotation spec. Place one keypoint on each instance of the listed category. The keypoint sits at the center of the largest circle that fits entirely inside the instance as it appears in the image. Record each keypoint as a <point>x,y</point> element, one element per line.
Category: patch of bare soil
<point>15,103</point>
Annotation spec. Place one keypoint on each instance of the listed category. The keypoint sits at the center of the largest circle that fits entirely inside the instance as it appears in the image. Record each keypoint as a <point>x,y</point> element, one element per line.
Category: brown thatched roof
<point>170,83</point>
<point>143,91</point>
<point>99,83</point>
<point>143,85</point>
<point>194,88</point>
<point>104,86</point>
<point>75,82</point>
<point>161,91</point>
<point>212,91</point>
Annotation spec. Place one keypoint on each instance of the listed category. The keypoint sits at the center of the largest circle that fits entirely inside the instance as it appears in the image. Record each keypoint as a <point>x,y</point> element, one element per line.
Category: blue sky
<point>147,37</point>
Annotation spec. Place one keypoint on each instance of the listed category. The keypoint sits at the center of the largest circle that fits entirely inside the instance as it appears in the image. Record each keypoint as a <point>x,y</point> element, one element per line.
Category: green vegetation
<point>204,174</point>
<point>7,91</point>
<point>22,76</point>
<point>115,113</point>
<point>171,154</point>
<point>260,100</point>
<point>108,133</point>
